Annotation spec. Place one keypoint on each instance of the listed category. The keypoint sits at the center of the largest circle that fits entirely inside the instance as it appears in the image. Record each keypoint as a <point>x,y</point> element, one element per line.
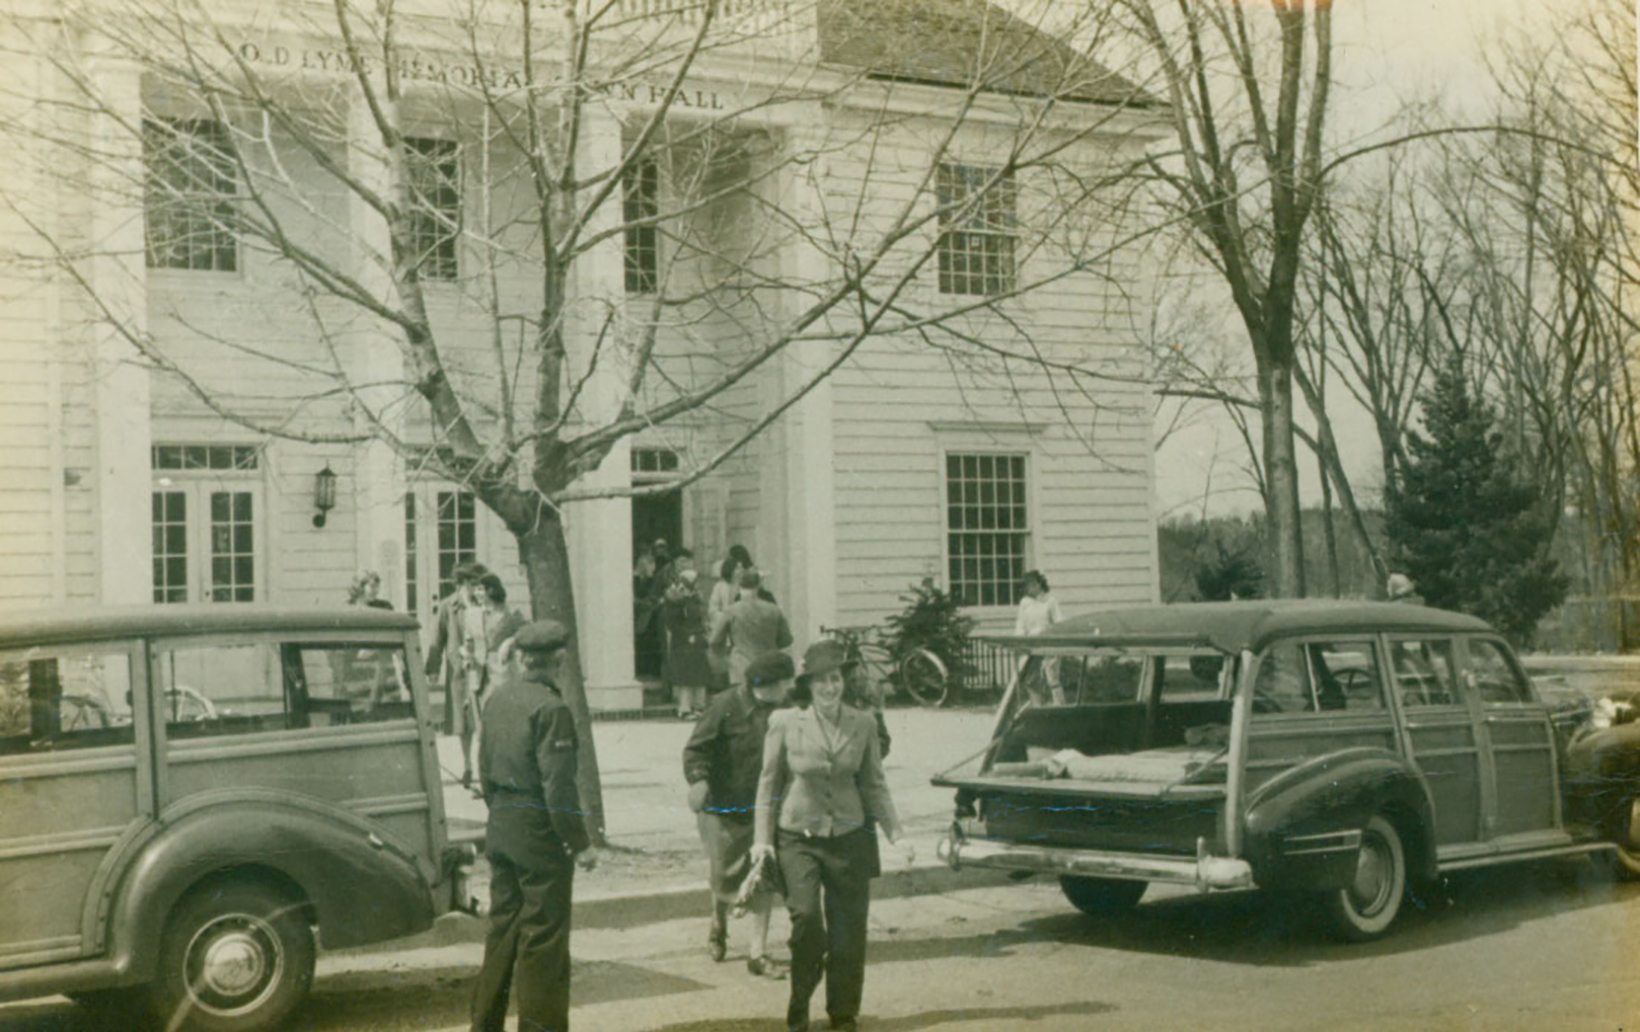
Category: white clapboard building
<point>924,454</point>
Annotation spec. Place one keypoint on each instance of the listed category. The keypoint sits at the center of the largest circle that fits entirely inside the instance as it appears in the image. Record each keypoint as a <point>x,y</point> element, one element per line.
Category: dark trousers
<point>828,892</point>
<point>529,935</point>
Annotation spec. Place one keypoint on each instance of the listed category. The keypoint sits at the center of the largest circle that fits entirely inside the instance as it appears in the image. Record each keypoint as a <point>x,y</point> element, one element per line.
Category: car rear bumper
<point>1204,871</point>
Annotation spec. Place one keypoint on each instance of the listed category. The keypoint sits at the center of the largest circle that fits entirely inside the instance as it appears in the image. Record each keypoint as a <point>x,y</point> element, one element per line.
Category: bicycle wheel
<point>924,678</point>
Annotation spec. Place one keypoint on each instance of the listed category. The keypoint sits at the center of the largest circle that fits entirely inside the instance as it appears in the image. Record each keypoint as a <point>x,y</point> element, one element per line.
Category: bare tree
<point>1248,90</point>
<point>486,342</point>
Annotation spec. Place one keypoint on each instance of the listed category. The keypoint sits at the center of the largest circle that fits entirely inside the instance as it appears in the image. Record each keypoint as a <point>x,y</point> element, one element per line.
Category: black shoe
<point>843,1025</point>
<point>717,943</point>
<point>766,967</point>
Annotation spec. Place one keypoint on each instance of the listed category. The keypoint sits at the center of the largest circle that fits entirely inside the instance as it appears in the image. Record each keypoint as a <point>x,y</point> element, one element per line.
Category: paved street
<point>1528,948</point>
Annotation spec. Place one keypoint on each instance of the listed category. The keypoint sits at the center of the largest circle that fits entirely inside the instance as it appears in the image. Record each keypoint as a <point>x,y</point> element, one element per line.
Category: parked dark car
<point>1341,749</point>
<point>193,797</point>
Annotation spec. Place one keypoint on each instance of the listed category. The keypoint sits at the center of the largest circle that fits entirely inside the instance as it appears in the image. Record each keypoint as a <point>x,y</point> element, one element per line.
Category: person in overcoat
<point>446,660</point>
<point>820,790</point>
<point>686,669</point>
<point>750,627</point>
<point>721,762</point>
<point>534,838</point>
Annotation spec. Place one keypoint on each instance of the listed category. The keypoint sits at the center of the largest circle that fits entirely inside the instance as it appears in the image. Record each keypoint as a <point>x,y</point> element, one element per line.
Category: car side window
<point>1494,677</point>
<point>1345,674</point>
<point>70,697</point>
<point>1283,682</point>
<point>207,690</point>
<point>346,684</point>
<point>1425,673</point>
<point>1318,676</point>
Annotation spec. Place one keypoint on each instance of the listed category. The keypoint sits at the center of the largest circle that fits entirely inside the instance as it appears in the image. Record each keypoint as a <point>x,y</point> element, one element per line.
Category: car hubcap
<point>235,963</point>
<point>1370,889</point>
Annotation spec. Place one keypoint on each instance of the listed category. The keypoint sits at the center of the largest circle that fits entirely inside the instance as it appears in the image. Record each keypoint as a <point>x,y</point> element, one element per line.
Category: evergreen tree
<point>1233,573</point>
<point>1466,522</point>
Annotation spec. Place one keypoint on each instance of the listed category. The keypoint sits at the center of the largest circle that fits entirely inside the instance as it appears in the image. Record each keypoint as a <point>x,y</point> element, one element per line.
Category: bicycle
<point>918,672</point>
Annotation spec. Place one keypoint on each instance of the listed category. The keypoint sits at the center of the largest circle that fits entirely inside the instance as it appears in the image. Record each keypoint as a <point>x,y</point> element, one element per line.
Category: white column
<point>810,555</point>
<point>118,277</point>
<point>373,356</point>
<point>600,531</point>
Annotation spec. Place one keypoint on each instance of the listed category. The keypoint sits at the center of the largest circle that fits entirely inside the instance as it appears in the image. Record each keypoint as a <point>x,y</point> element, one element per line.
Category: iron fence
<point>986,666</point>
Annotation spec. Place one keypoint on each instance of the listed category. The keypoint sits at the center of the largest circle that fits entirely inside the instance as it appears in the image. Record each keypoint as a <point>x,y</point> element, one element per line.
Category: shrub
<point>932,620</point>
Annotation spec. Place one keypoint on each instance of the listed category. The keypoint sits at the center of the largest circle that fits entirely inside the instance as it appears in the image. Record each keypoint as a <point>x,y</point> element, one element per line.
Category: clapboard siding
<point>898,406</point>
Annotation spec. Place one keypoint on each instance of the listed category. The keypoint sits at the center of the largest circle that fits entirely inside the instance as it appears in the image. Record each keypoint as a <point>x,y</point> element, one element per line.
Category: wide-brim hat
<point>823,657</point>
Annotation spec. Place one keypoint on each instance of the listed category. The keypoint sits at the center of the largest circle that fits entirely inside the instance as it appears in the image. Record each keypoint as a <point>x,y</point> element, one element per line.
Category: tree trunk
<point>1332,473</point>
<point>1327,528</point>
<point>1284,548</point>
<point>545,556</point>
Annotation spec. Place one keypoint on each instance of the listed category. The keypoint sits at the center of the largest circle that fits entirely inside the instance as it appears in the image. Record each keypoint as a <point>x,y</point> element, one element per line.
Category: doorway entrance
<point>655,517</point>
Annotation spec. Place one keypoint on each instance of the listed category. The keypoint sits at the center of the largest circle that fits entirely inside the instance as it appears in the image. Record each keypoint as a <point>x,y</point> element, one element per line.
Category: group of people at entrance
<point>699,645</point>
<point>786,778</point>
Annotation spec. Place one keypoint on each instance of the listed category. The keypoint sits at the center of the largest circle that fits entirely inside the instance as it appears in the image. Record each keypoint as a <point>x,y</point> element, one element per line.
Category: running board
<point>1489,859</point>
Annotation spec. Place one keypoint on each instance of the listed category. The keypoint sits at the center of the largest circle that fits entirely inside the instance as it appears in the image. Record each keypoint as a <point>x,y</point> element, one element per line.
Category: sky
<point>1384,51</point>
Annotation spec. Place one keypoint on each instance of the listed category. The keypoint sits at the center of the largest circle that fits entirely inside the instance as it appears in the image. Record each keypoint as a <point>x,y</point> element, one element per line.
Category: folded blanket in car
<point>1150,765</point>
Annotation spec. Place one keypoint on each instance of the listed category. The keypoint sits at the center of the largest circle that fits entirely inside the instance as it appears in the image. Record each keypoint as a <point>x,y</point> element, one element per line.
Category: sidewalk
<point>655,868</point>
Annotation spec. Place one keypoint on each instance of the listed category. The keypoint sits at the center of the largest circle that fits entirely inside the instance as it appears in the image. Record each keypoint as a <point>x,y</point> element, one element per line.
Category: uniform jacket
<point>754,627</point>
<point>726,752</point>
<point>811,789</point>
<point>526,760</point>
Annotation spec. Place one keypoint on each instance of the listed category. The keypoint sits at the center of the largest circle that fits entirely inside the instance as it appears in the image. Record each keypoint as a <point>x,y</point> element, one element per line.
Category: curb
<point>624,910</point>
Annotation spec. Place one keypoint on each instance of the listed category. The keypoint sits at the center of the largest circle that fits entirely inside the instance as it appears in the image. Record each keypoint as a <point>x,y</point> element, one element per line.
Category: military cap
<point>541,636</point>
<point>770,668</point>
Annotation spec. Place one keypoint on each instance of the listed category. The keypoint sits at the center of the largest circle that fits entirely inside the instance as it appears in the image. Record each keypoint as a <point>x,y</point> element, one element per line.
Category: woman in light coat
<point>820,790</point>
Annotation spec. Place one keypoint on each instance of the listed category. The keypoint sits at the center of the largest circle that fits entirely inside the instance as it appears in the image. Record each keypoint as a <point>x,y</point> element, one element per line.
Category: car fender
<point>361,884</point>
<point>1303,825</point>
<point>1602,774</point>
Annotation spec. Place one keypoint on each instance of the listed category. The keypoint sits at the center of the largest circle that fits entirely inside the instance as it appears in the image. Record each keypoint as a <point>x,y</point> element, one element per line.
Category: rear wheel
<point>1366,907</point>
<point>1101,897</point>
<point>236,957</point>
<point>923,677</point>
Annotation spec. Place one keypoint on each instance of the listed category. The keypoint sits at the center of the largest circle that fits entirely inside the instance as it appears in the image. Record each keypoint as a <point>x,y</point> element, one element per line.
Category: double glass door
<point>206,541</point>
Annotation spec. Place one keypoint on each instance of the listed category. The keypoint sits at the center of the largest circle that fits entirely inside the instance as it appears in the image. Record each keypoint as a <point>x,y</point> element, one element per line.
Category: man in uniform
<point>722,762</point>
<point>534,839</point>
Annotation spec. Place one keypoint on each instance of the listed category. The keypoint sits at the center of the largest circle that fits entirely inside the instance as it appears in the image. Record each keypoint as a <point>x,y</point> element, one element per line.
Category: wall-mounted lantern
<point>324,494</point>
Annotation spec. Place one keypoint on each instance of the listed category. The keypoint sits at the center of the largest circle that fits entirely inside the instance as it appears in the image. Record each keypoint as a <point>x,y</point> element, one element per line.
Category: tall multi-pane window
<point>987,527</point>
<point>203,522</point>
<point>457,536</point>
<point>170,535</point>
<point>433,169</point>
<point>233,548</point>
<point>640,199</point>
<point>188,195</point>
<point>977,225</point>
<point>412,580</point>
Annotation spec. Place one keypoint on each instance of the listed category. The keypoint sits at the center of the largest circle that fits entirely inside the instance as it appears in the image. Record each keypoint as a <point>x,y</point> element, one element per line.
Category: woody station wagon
<point>192,797</point>
<point>1333,748</point>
